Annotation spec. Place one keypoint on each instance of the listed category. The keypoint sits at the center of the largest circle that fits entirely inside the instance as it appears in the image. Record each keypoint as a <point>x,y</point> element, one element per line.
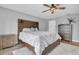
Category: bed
<point>39,40</point>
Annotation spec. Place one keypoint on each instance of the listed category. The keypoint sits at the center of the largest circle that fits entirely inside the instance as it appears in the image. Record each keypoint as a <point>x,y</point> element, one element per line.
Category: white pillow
<point>26,29</point>
<point>36,29</point>
<point>32,29</point>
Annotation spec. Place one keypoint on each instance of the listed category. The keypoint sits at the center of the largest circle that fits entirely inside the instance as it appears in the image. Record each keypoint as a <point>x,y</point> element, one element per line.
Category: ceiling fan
<point>53,7</point>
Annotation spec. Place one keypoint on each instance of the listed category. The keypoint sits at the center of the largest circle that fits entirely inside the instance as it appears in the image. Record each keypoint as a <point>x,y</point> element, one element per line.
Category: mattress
<point>39,39</point>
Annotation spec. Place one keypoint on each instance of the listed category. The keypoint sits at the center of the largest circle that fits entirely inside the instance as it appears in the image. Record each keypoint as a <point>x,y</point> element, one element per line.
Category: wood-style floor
<point>59,49</point>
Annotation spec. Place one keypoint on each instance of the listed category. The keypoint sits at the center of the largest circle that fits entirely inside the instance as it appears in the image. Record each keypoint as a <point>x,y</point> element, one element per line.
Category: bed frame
<point>27,24</point>
<point>47,49</point>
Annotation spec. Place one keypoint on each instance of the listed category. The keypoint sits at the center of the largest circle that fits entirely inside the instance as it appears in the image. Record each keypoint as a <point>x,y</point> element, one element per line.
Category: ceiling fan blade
<point>45,10</point>
<point>61,7</point>
<point>46,5</point>
<point>57,4</point>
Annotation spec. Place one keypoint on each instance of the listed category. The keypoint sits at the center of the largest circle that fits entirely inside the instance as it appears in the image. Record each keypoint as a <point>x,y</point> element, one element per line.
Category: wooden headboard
<point>26,24</point>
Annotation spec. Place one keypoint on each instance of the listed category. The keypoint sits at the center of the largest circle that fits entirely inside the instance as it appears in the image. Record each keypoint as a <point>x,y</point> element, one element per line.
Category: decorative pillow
<point>36,29</point>
<point>26,29</point>
<point>32,29</point>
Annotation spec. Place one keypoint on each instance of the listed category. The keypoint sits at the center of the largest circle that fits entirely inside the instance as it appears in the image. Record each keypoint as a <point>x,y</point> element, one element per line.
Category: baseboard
<point>75,40</point>
<point>70,42</point>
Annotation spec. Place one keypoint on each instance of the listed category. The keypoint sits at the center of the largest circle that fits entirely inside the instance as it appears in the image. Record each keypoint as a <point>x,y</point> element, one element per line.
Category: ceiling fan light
<point>52,10</point>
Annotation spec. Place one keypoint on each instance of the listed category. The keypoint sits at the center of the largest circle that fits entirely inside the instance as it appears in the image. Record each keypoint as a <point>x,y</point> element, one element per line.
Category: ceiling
<point>36,10</point>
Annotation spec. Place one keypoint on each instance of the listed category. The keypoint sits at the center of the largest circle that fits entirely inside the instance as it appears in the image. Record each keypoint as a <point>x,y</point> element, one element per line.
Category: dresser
<point>65,31</point>
<point>0,42</point>
<point>8,41</point>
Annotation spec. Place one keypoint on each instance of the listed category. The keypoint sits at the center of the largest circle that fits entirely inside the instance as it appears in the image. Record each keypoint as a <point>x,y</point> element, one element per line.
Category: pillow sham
<point>26,29</point>
<point>34,29</point>
<point>29,29</point>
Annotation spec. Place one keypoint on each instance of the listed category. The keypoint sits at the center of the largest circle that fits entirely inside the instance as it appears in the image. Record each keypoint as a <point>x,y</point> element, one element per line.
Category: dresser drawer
<point>0,43</point>
<point>8,44</point>
<point>1,38</point>
<point>9,40</point>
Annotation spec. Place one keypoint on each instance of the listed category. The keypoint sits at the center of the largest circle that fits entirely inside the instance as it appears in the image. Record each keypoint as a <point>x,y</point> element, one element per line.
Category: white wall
<point>9,18</point>
<point>75,28</point>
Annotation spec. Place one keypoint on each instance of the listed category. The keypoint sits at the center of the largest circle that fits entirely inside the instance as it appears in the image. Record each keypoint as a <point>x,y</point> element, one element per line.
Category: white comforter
<point>39,39</point>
